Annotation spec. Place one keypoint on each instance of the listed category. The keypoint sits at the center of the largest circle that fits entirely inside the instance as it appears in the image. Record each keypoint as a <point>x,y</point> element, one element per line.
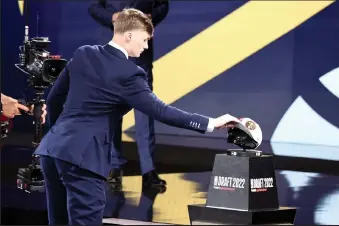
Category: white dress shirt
<point>115,45</point>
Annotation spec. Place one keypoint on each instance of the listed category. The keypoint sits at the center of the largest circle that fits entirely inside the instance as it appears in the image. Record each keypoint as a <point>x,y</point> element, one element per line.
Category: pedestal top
<point>245,153</point>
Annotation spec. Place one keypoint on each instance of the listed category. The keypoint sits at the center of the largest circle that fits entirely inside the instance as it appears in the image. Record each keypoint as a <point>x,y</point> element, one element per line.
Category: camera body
<point>41,67</point>
<point>42,70</point>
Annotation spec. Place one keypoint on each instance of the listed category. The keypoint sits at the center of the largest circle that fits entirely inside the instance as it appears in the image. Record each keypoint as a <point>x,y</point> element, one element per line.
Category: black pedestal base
<point>201,214</point>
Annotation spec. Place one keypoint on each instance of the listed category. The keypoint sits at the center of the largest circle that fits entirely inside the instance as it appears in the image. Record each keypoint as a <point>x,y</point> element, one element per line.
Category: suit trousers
<point>145,138</point>
<point>75,196</point>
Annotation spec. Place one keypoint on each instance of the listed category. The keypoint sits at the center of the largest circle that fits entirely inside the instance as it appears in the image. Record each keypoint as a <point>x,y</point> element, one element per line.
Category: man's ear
<point>129,36</point>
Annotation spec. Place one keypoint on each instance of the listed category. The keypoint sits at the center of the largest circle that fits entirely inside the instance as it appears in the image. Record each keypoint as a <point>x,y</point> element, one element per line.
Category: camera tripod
<point>31,178</point>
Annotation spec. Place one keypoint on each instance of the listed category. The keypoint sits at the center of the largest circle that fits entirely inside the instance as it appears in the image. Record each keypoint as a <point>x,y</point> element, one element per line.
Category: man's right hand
<point>11,107</point>
<point>225,121</point>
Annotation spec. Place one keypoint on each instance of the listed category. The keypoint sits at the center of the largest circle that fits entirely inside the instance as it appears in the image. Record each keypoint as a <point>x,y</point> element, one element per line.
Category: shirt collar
<point>115,45</point>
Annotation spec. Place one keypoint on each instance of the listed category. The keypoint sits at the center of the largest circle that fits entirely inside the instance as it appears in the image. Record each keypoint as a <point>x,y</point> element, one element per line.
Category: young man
<point>97,87</point>
<point>106,13</point>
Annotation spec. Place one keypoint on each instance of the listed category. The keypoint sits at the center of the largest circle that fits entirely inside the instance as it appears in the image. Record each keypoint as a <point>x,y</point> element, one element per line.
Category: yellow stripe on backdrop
<point>21,6</point>
<point>223,45</point>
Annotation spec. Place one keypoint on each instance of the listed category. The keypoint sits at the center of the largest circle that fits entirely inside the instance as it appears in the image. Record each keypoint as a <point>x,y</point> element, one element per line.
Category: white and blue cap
<point>252,128</point>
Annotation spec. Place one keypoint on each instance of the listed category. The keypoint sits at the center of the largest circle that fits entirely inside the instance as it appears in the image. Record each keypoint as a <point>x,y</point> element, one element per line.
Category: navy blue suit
<point>98,86</point>
<point>144,124</point>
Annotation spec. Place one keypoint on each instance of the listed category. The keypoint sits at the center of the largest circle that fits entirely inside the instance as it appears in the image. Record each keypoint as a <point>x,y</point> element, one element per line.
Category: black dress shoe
<point>151,192</point>
<point>152,179</point>
<point>115,178</point>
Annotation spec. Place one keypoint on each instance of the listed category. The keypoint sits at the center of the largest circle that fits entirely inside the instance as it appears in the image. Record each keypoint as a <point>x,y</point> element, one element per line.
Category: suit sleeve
<point>100,13</point>
<point>160,11</point>
<point>138,95</point>
<point>57,97</point>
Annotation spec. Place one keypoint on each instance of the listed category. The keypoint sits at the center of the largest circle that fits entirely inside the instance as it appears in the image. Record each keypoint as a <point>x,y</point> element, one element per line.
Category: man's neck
<point>118,43</point>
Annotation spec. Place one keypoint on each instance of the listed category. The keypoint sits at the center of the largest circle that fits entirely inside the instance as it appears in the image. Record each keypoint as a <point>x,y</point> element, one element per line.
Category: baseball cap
<point>252,128</point>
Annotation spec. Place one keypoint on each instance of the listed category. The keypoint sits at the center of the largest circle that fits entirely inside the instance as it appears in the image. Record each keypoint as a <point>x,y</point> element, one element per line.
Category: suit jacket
<point>97,87</point>
<point>102,12</point>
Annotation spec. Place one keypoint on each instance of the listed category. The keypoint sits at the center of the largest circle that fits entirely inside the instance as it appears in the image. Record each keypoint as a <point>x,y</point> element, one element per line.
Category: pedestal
<point>242,190</point>
<point>202,215</point>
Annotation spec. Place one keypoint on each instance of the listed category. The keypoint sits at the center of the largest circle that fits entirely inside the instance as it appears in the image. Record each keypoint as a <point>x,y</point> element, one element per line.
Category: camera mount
<point>42,69</point>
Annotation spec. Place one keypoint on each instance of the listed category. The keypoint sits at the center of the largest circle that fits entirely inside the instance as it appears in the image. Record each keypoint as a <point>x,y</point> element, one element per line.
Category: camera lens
<point>52,69</point>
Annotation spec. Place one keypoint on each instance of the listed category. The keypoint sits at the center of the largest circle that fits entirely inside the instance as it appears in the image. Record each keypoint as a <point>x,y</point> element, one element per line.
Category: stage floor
<point>309,184</point>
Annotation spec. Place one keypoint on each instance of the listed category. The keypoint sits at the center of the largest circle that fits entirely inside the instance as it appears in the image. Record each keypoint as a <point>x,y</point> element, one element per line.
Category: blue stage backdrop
<point>276,62</point>
<point>273,61</point>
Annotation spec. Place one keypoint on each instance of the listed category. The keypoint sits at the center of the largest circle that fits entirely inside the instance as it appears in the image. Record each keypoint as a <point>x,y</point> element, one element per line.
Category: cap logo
<point>250,125</point>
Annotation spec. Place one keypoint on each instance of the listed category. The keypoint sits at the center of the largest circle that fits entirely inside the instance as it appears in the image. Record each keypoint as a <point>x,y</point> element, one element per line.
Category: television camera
<point>42,70</point>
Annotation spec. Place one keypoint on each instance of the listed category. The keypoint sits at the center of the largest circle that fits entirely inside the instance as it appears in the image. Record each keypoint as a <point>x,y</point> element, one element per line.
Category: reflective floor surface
<point>312,185</point>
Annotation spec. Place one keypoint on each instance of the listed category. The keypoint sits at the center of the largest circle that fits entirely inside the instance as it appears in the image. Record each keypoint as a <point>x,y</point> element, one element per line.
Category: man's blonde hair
<point>132,19</point>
